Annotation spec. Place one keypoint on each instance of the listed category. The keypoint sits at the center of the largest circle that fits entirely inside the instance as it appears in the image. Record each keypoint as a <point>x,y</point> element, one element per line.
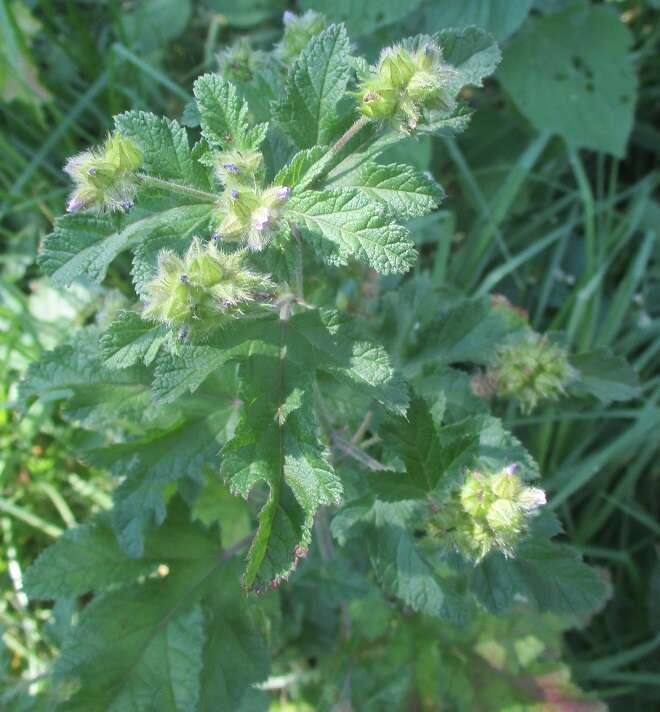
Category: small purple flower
<point>232,168</point>
<point>74,205</point>
<point>283,192</point>
<point>127,204</point>
<point>185,279</point>
<point>234,194</point>
<point>216,237</point>
<point>288,16</point>
<point>91,171</point>
<point>512,469</point>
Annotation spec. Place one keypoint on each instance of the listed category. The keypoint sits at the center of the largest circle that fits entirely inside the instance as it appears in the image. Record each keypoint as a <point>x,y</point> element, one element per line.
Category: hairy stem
<point>348,134</point>
<point>298,266</point>
<point>176,188</point>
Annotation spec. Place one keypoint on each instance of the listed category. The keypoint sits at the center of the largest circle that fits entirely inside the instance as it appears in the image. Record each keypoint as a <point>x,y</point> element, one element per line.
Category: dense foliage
<point>307,403</point>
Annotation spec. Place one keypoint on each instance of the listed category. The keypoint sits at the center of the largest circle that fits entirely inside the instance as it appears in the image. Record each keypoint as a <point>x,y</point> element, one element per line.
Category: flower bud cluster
<point>239,61</point>
<point>406,85</point>
<point>531,370</point>
<point>239,167</point>
<point>298,31</point>
<point>251,215</point>
<point>487,512</point>
<point>205,283</point>
<point>105,177</point>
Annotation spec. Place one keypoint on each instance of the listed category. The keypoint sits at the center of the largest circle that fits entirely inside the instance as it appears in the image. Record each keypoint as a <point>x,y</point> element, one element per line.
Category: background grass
<point>571,236</point>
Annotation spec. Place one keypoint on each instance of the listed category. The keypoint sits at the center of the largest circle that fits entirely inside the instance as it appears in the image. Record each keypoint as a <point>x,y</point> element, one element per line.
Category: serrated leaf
<point>130,340</point>
<point>224,115</point>
<point>472,52</point>
<point>549,577</point>
<point>133,649</point>
<point>276,442</point>
<point>85,245</point>
<point>95,394</point>
<point>604,375</point>
<point>164,145</point>
<point>348,225</point>
<point>371,373</point>
<point>436,456</point>
<point>291,174</point>
<point>151,462</point>
<point>405,192</point>
<point>571,73</point>
<point>88,558</point>
<point>404,572</point>
<point>316,82</point>
<point>146,644</point>
<point>83,559</point>
<point>468,331</point>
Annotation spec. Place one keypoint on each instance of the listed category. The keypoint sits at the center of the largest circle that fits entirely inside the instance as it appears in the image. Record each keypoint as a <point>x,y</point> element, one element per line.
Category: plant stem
<point>298,261</point>
<point>348,134</point>
<point>177,188</point>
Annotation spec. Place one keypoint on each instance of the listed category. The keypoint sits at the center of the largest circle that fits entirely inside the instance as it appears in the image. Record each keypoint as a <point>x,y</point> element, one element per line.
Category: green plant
<point>241,349</point>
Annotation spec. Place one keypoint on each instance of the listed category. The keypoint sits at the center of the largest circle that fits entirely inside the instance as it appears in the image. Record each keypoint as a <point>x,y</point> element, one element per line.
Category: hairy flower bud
<point>204,284</point>
<point>530,370</point>
<point>487,512</point>
<point>238,61</point>
<point>239,167</point>
<point>251,215</point>
<point>105,177</point>
<point>406,85</point>
<point>298,31</point>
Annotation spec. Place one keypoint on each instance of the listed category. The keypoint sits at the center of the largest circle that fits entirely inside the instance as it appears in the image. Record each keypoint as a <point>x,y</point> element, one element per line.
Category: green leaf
<point>363,17</point>
<point>130,340</point>
<point>571,73</point>
<point>291,174</point>
<point>151,462</point>
<point>549,577</point>
<point>164,145</point>
<point>347,224</point>
<point>224,116</point>
<point>467,331</point>
<point>604,375</point>
<point>501,18</point>
<point>276,442</point>
<point>84,245</point>
<point>404,572</point>
<point>472,52</point>
<point>88,558</point>
<point>83,559</point>
<point>405,192</point>
<point>234,653</point>
<point>133,649</point>
<point>449,389</point>
<point>435,456</point>
<point>316,82</point>
<point>174,640</point>
<point>371,373</point>
<point>95,394</point>
<point>184,370</point>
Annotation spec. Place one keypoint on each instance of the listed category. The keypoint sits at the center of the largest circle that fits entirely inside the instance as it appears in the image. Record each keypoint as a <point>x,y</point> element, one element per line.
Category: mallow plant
<point>316,502</point>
